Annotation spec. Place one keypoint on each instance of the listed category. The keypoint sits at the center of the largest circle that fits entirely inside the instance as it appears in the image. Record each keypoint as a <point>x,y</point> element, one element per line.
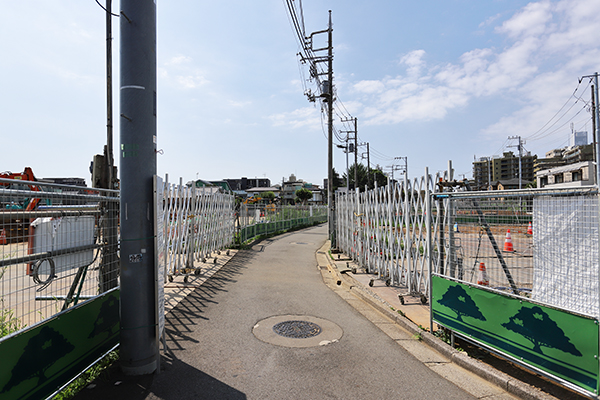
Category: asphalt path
<point>214,354</point>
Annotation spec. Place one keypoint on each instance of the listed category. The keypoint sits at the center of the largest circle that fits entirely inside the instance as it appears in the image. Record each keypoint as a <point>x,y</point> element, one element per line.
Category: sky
<point>431,81</point>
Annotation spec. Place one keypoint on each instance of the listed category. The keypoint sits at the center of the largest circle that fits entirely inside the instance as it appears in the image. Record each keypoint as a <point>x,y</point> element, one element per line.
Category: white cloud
<point>180,71</point>
<point>306,117</point>
<point>179,60</point>
<point>239,104</point>
<point>550,42</point>
<point>369,86</point>
<point>531,21</point>
<point>414,61</point>
<point>191,81</point>
<point>489,21</point>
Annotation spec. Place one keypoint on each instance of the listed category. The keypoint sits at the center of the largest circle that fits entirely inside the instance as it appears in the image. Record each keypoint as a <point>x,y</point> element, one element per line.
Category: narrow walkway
<point>222,344</point>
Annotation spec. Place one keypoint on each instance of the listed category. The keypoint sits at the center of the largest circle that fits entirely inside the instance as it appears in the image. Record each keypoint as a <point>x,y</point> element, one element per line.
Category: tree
<point>337,181</point>
<point>537,327</point>
<point>40,353</point>
<point>378,176</point>
<point>304,195</point>
<point>458,300</point>
<point>268,196</point>
<point>366,177</point>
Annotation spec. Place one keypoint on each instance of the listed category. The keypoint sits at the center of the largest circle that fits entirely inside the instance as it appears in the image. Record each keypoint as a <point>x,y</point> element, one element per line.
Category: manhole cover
<point>297,329</point>
<point>285,330</point>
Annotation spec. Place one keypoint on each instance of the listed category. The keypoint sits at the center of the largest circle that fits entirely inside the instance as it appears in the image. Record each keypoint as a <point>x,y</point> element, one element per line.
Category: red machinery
<point>26,175</point>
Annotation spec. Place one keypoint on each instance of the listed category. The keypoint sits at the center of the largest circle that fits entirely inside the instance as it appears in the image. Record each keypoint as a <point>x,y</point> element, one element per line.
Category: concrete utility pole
<point>489,162</point>
<point>347,170</point>
<point>327,94</point>
<point>355,131</point>
<point>597,123</point>
<point>520,146</point>
<point>368,164</point>
<point>355,152</point>
<point>594,129</point>
<point>108,271</point>
<point>109,97</point>
<point>330,197</point>
<point>139,341</point>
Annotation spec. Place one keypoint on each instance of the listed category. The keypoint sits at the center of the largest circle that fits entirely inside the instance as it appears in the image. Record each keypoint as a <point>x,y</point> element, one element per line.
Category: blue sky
<point>430,80</point>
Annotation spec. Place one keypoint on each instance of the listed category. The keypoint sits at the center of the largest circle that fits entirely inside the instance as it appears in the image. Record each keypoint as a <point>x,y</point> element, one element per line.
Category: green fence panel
<point>37,361</point>
<point>562,344</point>
<point>274,226</point>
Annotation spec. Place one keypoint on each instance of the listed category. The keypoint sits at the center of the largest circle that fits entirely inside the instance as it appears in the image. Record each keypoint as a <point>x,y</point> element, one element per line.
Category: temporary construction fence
<point>385,231</point>
<point>264,219</point>
<point>198,224</point>
<point>514,271</point>
<point>58,284</point>
<point>520,277</point>
<point>59,269</point>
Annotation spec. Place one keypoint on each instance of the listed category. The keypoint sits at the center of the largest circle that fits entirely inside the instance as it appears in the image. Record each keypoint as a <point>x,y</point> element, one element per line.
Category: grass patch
<point>97,371</point>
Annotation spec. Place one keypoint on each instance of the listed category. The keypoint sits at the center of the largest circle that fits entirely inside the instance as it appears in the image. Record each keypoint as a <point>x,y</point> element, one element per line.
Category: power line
<point>540,133</point>
<point>559,127</point>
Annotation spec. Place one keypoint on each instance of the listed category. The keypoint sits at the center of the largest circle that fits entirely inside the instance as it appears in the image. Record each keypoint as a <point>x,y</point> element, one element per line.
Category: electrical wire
<point>541,133</point>
<point>104,8</point>
<point>546,134</point>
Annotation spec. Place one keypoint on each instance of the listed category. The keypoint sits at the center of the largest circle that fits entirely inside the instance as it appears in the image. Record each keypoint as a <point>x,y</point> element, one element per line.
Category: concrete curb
<point>485,371</point>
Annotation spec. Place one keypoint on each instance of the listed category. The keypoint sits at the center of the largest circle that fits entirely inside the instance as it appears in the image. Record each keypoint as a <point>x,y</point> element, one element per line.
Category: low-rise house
<point>571,175</point>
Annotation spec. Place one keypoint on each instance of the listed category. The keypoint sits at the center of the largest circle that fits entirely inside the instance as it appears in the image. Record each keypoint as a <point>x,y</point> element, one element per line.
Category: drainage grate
<point>297,329</point>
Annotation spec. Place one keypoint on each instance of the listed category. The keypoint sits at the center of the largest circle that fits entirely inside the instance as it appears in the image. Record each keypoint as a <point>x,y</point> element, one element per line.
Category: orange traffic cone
<point>508,246</point>
<point>482,278</point>
<point>529,229</point>
<point>3,237</point>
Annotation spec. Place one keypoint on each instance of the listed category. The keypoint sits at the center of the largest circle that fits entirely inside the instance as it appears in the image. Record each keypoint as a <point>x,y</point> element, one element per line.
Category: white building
<point>571,175</point>
<point>578,139</point>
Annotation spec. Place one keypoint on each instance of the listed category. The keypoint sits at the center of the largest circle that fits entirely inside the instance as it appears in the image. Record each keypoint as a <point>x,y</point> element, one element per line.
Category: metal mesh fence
<point>541,245</point>
<point>58,247</point>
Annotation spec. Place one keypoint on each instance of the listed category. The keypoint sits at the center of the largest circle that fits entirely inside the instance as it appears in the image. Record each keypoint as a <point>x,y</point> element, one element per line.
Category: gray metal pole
<point>139,343</point>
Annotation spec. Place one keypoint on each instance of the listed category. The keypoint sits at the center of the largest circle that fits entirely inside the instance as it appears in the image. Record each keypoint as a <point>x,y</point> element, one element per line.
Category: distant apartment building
<point>248,183</point>
<point>65,181</point>
<point>564,156</point>
<point>289,188</point>
<point>566,167</point>
<point>570,175</point>
<point>578,139</point>
<point>487,171</point>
